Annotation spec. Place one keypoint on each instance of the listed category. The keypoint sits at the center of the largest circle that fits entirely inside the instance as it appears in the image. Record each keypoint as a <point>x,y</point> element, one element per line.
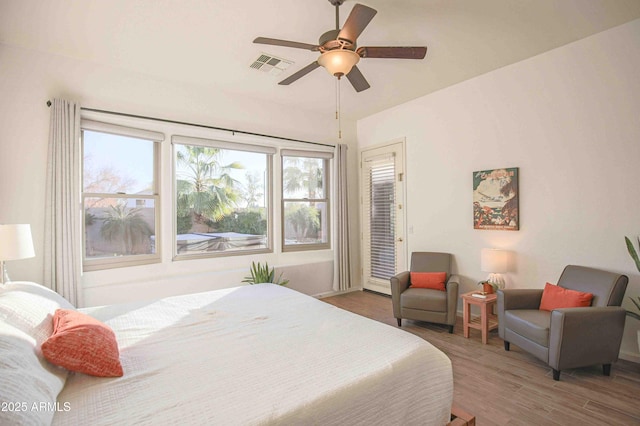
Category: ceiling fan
<point>338,52</point>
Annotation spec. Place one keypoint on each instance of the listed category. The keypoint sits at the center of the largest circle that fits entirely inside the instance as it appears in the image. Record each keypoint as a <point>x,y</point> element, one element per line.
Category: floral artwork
<point>495,199</point>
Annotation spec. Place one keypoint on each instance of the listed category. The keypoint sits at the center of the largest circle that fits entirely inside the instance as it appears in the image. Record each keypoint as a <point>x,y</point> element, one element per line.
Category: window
<point>222,199</point>
<point>305,200</point>
<point>219,200</point>
<point>119,196</point>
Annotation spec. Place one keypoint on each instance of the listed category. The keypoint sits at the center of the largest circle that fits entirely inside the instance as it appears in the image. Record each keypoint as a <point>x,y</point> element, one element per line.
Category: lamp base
<point>496,279</point>
<point>4,275</point>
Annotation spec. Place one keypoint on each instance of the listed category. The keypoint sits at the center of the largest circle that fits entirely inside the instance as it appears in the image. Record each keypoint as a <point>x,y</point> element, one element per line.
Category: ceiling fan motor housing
<point>330,41</point>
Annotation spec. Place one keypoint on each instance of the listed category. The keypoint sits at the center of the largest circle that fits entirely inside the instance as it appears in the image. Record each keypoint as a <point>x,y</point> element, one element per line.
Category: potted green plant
<point>263,274</point>
<point>634,255</point>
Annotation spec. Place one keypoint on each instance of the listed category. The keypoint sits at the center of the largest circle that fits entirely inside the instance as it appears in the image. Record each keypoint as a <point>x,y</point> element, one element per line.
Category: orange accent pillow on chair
<point>82,343</point>
<point>555,297</point>
<point>432,280</point>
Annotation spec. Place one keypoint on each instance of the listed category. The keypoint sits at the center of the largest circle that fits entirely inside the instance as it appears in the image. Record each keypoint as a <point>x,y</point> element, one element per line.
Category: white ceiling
<point>208,43</point>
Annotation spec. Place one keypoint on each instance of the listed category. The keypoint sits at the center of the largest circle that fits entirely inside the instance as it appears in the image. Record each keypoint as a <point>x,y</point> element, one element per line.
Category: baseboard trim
<point>335,293</point>
<point>630,356</point>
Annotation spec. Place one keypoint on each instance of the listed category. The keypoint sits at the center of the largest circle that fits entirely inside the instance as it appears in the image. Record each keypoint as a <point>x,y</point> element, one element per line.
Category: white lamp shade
<point>493,260</point>
<point>16,242</point>
<point>339,62</point>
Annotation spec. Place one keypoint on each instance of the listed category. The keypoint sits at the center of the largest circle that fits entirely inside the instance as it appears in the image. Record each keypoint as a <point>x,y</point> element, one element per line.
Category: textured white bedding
<point>260,354</point>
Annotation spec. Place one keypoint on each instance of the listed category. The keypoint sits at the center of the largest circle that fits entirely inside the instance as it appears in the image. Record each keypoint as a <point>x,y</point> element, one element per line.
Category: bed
<point>249,355</point>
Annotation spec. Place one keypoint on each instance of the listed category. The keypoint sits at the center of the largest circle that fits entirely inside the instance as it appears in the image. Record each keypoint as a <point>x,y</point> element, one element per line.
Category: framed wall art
<point>495,199</point>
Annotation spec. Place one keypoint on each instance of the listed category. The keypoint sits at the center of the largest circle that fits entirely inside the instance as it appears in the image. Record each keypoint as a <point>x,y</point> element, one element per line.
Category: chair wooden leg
<point>507,345</point>
<point>399,322</point>
<point>606,369</point>
<point>450,329</point>
<point>556,374</point>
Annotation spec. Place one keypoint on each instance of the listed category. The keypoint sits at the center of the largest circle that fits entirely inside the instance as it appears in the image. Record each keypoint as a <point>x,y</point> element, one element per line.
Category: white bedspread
<point>259,354</point>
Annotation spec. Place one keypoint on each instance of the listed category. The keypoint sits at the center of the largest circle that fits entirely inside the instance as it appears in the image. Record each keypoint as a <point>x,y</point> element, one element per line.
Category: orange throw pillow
<point>554,297</point>
<point>83,344</point>
<point>433,280</point>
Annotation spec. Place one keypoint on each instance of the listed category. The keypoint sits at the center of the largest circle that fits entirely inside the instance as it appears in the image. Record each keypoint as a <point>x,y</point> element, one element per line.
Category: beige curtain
<point>63,214</point>
<point>342,249</point>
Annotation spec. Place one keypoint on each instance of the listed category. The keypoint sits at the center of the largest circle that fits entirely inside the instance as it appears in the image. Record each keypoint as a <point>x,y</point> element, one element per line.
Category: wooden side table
<point>487,321</point>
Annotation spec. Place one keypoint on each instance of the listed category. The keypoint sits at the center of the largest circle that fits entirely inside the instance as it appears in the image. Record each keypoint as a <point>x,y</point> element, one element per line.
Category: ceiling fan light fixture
<point>339,62</point>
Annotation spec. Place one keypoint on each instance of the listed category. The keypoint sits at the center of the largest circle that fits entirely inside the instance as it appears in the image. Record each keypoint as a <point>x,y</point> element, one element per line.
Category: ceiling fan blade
<point>304,71</point>
<point>285,43</point>
<point>358,19</point>
<point>392,52</point>
<point>357,80</point>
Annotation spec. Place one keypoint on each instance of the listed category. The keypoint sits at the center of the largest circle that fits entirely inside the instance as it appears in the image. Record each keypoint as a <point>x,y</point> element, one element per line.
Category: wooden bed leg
<point>460,417</point>
<point>399,322</point>
<point>606,369</point>
<point>556,375</point>
<point>507,345</point>
<point>450,329</point>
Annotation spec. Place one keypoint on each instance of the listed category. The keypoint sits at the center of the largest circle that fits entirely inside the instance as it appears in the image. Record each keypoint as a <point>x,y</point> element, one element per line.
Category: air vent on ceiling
<point>270,64</point>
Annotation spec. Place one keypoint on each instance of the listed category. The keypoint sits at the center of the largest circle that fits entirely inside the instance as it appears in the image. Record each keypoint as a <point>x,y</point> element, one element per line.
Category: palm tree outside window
<point>221,198</point>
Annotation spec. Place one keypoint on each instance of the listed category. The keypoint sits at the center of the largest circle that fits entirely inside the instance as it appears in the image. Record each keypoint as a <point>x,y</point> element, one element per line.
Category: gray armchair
<point>423,304</point>
<point>567,337</point>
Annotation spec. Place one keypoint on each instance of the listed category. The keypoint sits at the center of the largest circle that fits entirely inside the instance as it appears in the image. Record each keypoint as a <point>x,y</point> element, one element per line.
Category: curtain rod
<point>122,114</point>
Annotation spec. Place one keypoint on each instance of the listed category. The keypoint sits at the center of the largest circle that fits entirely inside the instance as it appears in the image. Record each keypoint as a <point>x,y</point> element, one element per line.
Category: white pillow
<point>30,308</point>
<point>31,287</point>
<point>30,385</point>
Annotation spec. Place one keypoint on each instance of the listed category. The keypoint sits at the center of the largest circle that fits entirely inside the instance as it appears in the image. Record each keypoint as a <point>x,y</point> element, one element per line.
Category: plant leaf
<point>633,315</point>
<point>637,303</point>
<point>632,252</point>
<point>263,274</point>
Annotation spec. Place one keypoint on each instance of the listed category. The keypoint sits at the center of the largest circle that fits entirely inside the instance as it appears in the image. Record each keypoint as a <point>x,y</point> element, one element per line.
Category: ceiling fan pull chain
<point>338,117</point>
<point>337,97</point>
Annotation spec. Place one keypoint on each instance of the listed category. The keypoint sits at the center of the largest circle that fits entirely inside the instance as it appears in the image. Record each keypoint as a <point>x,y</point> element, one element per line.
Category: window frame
<point>156,138</point>
<point>325,157</point>
<point>269,185</point>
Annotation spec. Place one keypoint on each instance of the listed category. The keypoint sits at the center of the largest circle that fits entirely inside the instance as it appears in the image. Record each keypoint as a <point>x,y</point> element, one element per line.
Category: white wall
<point>569,119</point>
<point>30,78</point>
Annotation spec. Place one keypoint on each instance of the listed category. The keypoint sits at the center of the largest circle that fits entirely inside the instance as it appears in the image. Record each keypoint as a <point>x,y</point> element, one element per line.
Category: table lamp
<point>494,261</point>
<point>15,243</point>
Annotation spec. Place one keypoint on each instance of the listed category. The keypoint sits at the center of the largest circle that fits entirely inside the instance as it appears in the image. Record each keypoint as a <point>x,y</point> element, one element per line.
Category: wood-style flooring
<point>514,388</point>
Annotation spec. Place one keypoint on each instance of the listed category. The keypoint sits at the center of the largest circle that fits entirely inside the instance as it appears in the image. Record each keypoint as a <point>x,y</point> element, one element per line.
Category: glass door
<point>382,216</point>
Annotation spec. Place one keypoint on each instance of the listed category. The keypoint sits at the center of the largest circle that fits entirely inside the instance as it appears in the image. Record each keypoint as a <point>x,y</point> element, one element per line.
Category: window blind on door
<point>380,210</point>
